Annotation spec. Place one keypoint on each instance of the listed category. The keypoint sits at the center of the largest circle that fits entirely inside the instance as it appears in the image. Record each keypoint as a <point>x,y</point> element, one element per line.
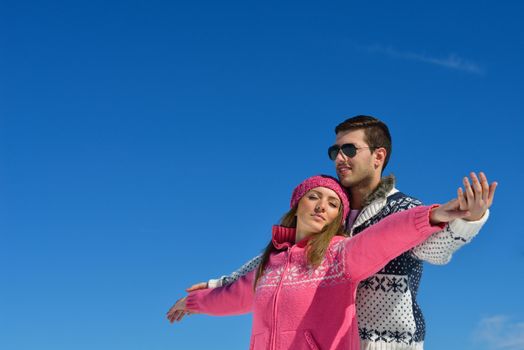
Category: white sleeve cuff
<point>214,283</point>
<point>468,229</point>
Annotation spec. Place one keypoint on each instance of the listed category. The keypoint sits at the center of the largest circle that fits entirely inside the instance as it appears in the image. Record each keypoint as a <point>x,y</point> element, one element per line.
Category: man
<point>388,314</point>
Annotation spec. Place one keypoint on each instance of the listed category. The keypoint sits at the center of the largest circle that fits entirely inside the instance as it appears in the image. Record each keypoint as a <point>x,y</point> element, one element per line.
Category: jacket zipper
<point>273,337</point>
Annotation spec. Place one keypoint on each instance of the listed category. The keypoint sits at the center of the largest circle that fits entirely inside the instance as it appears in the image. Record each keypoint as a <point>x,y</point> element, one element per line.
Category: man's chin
<point>345,181</point>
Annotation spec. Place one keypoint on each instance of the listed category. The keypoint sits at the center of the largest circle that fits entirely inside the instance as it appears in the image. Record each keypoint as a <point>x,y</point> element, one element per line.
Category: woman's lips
<point>318,216</point>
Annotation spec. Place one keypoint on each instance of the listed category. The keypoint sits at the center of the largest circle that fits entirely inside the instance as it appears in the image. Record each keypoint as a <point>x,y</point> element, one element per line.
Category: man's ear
<point>380,157</point>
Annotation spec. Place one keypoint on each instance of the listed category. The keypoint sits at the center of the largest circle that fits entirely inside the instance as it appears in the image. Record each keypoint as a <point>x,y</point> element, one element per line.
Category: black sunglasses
<point>349,150</point>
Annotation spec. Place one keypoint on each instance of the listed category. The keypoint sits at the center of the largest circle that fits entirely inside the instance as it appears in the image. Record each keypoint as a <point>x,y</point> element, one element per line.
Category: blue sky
<point>146,146</point>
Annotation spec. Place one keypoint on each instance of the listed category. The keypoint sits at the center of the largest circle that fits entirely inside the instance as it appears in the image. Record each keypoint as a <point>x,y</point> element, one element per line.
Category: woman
<point>303,294</point>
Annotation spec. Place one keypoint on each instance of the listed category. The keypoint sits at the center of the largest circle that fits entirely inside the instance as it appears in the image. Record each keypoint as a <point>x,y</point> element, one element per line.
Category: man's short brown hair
<point>376,132</point>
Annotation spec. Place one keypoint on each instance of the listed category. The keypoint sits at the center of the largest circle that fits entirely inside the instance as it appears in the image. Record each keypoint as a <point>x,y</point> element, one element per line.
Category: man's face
<point>357,170</point>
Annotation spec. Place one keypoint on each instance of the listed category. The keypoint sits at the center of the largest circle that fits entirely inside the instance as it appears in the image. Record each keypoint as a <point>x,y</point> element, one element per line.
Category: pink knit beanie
<point>321,181</point>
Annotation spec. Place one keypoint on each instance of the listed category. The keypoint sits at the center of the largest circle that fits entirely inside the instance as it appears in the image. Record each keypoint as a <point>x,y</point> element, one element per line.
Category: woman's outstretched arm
<point>234,299</point>
<point>369,251</point>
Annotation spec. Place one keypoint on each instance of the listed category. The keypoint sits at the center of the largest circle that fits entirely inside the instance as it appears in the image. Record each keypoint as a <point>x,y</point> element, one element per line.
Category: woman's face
<point>318,208</point>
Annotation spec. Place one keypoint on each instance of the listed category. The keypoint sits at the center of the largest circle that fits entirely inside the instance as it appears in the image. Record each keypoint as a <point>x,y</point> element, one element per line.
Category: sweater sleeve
<point>234,299</point>
<point>439,247</point>
<point>243,270</point>
<point>369,251</point>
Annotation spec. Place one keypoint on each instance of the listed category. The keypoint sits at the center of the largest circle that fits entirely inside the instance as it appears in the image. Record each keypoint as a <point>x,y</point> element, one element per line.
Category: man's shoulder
<point>399,201</point>
<point>394,202</point>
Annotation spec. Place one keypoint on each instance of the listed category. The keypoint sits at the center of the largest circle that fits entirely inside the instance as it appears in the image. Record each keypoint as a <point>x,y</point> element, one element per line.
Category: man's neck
<point>359,192</point>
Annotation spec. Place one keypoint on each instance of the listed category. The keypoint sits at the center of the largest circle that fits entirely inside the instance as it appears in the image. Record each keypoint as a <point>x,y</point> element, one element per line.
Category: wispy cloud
<point>452,61</point>
<point>500,332</point>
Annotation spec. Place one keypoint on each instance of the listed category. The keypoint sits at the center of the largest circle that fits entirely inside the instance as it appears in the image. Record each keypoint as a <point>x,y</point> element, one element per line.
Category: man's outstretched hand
<point>471,203</point>
<point>476,197</point>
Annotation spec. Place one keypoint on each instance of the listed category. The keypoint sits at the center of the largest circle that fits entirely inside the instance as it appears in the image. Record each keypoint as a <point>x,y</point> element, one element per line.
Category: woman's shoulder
<point>337,242</point>
<point>337,239</point>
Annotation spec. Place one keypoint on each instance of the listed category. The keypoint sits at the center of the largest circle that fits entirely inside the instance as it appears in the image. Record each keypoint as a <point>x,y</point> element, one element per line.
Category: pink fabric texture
<point>297,307</point>
<point>321,181</point>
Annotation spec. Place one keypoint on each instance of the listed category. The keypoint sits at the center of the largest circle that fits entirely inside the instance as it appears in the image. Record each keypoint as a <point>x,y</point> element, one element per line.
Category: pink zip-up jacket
<point>298,307</point>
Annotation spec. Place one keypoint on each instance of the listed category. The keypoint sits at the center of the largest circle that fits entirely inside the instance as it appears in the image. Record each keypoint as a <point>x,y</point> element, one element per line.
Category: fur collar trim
<point>387,183</point>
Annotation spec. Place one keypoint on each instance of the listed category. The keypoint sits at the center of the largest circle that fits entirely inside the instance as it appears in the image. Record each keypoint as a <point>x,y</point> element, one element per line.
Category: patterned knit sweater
<point>389,316</point>
<point>293,304</point>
